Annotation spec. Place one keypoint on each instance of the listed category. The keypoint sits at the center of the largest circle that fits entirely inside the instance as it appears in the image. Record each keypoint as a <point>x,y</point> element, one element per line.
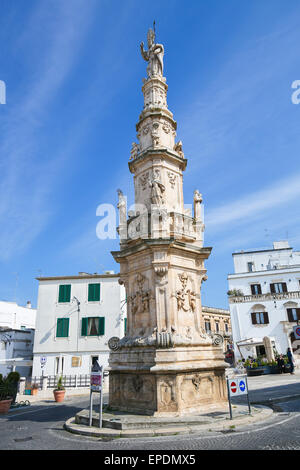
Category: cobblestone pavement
<point>41,427</point>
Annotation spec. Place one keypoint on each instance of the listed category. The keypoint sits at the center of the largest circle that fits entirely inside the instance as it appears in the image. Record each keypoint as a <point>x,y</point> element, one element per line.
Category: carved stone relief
<point>186,298</point>
<point>140,301</point>
<point>178,149</point>
<point>134,150</point>
<point>167,393</point>
<point>172,179</point>
<point>144,179</point>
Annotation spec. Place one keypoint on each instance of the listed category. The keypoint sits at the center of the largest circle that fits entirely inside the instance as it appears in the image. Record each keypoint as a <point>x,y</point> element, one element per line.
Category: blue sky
<point>73,75</point>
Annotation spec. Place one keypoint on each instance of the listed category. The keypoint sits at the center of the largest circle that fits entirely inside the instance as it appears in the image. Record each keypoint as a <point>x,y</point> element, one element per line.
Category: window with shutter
<point>125,325</point>
<point>256,289</point>
<point>266,317</point>
<point>84,326</point>
<point>94,292</point>
<point>64,293</point>
<point>93,326</point>
<point>278,288</point>
<point>293,314</point>
<point>62,328</point>
<point>101,330</point>
<point>260,318</point>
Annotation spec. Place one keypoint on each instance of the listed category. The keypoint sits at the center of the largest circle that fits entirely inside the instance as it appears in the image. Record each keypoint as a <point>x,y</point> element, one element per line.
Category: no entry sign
<point>237,386</point>
<point>233,387</point>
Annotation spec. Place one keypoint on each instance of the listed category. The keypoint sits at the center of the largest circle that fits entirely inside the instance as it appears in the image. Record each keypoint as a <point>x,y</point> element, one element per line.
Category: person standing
<point>280,363</point>
<point>290,360</point>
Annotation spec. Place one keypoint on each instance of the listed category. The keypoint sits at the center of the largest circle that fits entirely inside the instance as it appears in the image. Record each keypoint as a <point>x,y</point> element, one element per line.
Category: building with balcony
<point>76,317</point>
<point>216,321</point>
<point>264,301</point>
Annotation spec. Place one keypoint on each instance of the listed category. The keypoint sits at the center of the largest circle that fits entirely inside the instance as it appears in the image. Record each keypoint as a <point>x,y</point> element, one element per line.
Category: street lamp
<point>78,311</point>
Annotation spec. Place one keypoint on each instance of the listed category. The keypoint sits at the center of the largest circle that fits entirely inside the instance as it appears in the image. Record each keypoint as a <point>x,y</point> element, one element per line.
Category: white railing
<point>235,299</point>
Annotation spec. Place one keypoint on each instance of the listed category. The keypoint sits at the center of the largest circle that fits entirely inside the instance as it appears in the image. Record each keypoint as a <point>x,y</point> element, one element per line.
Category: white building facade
<point>16,316</point>
<point>76,316</point>
<point>17,325</point>
<point>264,300</point>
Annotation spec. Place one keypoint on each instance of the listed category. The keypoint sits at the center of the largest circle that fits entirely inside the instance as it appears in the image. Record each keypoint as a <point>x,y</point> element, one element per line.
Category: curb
<point>110,434</point>
<point>270,401</point>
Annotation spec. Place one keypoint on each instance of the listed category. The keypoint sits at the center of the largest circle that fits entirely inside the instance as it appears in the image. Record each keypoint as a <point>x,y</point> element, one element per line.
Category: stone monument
<point>166,365</point>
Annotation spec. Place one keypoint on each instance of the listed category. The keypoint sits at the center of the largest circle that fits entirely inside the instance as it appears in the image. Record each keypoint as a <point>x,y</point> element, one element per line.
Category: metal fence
<point>69,381</point>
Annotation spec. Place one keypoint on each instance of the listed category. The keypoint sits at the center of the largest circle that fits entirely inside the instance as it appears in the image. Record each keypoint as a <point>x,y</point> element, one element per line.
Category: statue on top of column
<point>154,55</point>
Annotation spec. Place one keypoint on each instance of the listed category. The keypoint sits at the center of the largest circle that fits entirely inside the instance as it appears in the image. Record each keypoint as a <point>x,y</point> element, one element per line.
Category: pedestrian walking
<point>290,360</point>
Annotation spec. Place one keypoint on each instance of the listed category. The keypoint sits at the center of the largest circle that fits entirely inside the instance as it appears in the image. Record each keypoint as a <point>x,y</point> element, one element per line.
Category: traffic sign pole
<point>229,399</point>
<point>96,386</point>
<point>249,407</point>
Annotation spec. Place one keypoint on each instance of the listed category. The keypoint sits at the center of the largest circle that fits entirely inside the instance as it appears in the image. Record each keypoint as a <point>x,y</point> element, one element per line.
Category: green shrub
<point>6,389</point>
<point>60,384</point>
<point>235,292</point>
<point>13,377</point>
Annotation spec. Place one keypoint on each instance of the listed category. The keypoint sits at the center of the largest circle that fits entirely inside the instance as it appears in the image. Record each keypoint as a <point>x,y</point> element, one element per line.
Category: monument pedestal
<point>167,382</point>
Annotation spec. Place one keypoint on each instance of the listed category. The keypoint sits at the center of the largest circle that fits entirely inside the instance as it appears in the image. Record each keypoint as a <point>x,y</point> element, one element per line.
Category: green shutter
<point>66,327</point>
<point>59,327</point>
<point>62,329</point>
<point>101,326</point>
<point>125,325</point>
<point>94,292</point>
<point>64,293</point>
<point>84,326</point>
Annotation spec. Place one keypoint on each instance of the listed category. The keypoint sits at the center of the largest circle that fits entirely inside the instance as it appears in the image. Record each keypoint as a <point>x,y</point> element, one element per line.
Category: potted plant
<point>34,388</point>
<point>13,378</point>
<point>287,366</point>
<point>59,391</point>
<point>273,367</point>
<point>254,369</point>
<point>6,395</point>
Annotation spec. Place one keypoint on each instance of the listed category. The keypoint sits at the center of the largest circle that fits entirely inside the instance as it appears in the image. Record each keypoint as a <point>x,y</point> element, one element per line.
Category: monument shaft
<point>166,364</point>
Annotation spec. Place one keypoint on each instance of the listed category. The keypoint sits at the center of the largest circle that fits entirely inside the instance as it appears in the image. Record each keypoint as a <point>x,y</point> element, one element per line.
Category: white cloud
<point>254,204</point>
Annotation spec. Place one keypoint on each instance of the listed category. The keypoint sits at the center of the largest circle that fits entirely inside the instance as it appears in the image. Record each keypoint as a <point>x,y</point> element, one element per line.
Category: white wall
<point>19,346</point>
<point>112,296</point>
<point>14,316</point>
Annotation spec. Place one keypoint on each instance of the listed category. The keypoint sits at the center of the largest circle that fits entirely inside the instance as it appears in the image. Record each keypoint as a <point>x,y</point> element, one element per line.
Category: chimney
<point>28,305</point>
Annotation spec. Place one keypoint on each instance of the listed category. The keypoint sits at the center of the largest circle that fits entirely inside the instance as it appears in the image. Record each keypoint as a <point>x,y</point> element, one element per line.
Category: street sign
<point>237,386</point>
<point>297,332</point>
<point>233,388</point>
<point>43,361</point>
<point>242,387</point>
<point>96,381</point>
<point>96,386</point>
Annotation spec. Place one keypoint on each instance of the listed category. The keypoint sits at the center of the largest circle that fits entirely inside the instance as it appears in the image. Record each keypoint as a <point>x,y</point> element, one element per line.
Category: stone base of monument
<point>167,382</point>
<point>126,425</point>
<point>126,421</point>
